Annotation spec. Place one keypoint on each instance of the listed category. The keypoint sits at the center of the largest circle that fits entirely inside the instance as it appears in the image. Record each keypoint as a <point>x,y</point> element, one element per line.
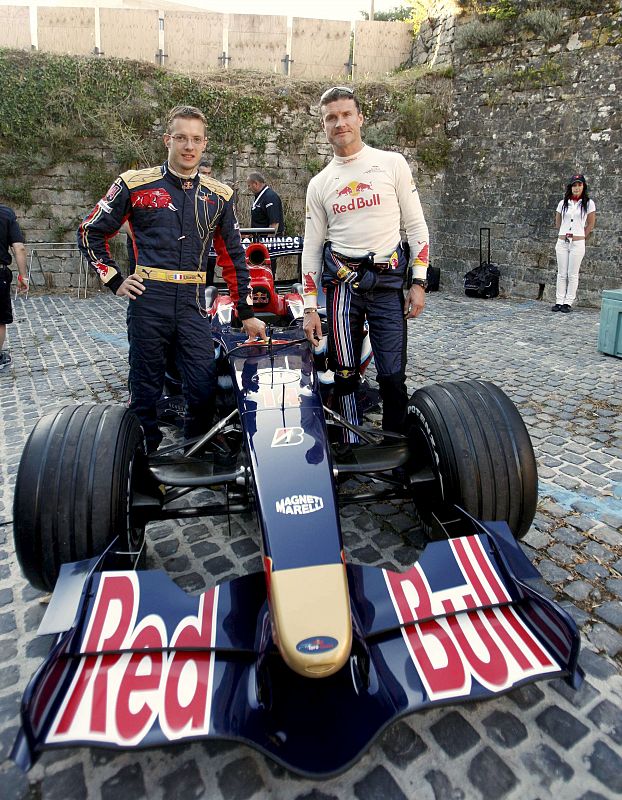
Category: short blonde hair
<point>185,112</point>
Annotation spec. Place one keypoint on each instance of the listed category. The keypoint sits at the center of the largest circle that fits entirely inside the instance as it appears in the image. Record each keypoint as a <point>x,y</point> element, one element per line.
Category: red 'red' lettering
<point>114,604</point>
<point>130,723</point>
<point>181,718</point>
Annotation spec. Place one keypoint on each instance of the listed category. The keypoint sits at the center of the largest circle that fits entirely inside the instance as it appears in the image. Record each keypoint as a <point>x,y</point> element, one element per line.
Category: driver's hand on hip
<point>131,287</point>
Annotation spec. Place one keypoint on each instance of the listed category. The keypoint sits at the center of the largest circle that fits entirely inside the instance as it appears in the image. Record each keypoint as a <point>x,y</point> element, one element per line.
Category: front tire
<point>474,438</point>
<point>74,488</point>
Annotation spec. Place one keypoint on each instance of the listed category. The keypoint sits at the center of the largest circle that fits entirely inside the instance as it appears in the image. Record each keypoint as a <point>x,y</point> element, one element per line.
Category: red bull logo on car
<point>118,694</point>
<point>465,632</point>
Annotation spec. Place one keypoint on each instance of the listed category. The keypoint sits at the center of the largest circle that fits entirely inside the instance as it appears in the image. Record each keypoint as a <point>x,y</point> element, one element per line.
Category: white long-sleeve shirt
<point>359,203</point>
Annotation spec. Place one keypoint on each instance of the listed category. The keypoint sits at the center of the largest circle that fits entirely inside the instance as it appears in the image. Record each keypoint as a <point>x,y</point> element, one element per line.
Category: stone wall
<point>523,118</point>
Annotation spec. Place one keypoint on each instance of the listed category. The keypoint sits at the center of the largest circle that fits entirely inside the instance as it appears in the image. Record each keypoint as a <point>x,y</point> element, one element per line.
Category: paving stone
<point>490,775</point>
<point>7,622</point>
<point>315,794</point>
<point>378,783</point>
<point>578,590</point>
<point>526,696</point>
<point>183,783</point>
<point>569,536</point>
<point>561,726</point>
<point>548,765</point>
<point>239,779</point>
<point>454,734</point>
<point>505,729</point>
<point>552,573</point>
<point>401,744</point>
<point>611,612</point>
<point>365,555</point>
<point>592,571</point>
<point>167,547</point>
<point>595,664</point>
<point>128,783</point>
<point>608,718</point>
<point>442,787</point>
<point>191,583</point>
<point>245,547</point>
<point>216,566</point>
<point>578,697</point>
<point>68,784</point>
<point>614,585</point>
<point>606,766</point>
<point>605,638</point>
<point>15,785</point>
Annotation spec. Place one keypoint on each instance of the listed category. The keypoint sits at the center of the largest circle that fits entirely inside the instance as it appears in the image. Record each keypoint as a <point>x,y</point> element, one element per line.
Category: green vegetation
<point>106,115</point>
<point>549,74</point>
<point>544,23</point>
<point>481,34</point>
<point>435,152</point>
<point>417,115</point>
<point>50,105</point>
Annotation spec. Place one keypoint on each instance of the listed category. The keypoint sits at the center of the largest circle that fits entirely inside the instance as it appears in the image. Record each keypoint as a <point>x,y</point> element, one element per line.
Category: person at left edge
<point>174,213</point>
<point>11,240</point>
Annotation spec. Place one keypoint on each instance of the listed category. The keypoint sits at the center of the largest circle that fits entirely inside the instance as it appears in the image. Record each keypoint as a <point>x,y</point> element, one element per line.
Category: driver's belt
<point>353,261</point>
<point>168,276</point>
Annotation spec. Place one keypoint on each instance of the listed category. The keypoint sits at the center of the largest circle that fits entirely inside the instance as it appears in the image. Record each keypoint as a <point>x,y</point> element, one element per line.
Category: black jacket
<point>173,222</point>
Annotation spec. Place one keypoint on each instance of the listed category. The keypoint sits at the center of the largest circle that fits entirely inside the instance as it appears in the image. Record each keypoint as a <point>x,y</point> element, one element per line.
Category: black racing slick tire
<point>74,488</point>
<point>476,442</point>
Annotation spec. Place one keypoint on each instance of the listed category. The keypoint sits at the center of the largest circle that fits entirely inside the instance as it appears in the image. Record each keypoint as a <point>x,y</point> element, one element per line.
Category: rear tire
<point>74,488</point>
<point>480,451</point>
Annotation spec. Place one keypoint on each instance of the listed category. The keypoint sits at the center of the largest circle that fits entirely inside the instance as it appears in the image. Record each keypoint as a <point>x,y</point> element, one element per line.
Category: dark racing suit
<point>173,221</point>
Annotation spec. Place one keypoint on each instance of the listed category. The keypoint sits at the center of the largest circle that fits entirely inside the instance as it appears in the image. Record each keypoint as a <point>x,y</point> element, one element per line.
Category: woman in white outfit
<point>575,219</point>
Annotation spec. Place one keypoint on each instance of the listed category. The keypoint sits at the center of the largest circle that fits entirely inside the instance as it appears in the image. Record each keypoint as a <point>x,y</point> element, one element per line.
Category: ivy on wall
<point>56,109</point>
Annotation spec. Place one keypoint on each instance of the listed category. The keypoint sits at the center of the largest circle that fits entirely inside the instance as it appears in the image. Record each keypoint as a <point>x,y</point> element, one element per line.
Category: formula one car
<point>311,659</point>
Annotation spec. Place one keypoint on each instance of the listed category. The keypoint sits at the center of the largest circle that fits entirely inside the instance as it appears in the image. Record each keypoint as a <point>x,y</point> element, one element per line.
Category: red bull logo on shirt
<point>354,189</point>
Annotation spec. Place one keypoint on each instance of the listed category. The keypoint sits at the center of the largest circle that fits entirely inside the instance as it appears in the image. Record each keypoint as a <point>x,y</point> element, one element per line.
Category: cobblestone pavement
<point>540,741</point>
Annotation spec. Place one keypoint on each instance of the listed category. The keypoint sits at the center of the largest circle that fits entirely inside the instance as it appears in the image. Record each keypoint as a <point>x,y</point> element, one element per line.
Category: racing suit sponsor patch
<point>152,198</point>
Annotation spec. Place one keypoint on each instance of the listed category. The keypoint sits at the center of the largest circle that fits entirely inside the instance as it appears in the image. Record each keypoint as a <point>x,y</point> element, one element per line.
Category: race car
<point>311,659</point>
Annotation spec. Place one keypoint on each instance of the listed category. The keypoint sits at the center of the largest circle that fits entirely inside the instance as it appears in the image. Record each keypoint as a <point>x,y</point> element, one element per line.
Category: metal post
<point>224,60</point>
<point>160,56</point>
<point>286,61</point>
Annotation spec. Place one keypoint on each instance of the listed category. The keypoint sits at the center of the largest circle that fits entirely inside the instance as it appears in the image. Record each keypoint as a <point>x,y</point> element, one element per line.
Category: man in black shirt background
<point>267,209</point>
<point>11,240</point>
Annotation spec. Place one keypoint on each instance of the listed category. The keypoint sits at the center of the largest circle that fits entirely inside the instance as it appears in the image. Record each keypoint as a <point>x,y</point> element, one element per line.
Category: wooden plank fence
<point>197,41</point>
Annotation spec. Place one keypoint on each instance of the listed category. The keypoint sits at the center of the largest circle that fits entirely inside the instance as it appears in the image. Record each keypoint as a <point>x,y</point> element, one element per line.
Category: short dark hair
<point>186,112</point>
<point>205,162</point>
<point>339,93</point>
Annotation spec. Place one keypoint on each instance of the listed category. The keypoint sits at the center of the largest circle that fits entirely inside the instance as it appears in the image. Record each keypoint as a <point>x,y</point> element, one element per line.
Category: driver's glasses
<point>182,141</point>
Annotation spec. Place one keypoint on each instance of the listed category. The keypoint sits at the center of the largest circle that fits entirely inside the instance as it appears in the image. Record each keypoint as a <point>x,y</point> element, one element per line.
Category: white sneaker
<point>5,359</point>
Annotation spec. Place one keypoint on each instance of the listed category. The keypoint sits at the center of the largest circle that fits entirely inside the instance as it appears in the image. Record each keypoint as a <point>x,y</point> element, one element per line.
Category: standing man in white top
<point>574,219</point>
<point>353,252</point>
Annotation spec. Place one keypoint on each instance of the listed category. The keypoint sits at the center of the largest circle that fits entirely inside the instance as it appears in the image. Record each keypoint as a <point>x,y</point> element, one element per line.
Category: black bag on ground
<point>483,281</point>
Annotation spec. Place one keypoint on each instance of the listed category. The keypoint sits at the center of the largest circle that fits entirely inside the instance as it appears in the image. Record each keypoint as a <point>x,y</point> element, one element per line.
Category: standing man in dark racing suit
<point>352,250</point>
<point>174,213</point>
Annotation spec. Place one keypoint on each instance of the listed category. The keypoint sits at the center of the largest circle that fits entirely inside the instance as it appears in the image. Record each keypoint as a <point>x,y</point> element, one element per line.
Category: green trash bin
<point>610,333</point>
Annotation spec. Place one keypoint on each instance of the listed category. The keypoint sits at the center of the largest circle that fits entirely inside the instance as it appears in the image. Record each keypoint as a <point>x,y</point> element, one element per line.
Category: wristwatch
<point>419,282</point>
